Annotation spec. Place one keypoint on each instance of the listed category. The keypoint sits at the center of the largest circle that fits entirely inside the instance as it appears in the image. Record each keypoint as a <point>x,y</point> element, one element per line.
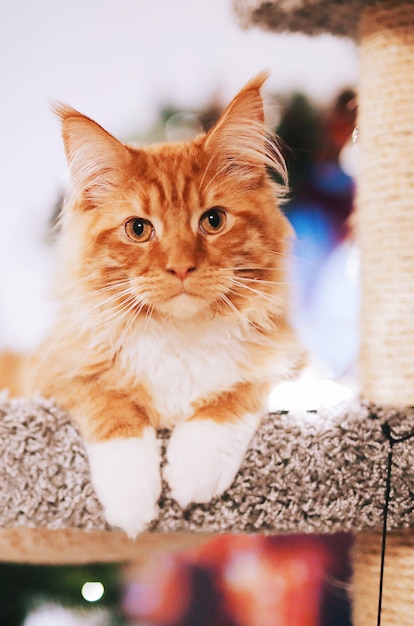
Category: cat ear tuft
<point>240,143</point>
<point>96,159</point>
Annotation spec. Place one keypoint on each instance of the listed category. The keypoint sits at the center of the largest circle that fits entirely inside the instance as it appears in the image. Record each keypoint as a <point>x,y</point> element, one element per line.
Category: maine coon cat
<point>173,306</point>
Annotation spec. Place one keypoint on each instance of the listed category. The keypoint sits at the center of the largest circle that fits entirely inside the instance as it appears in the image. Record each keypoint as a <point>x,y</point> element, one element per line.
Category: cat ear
<point>96,160</point>
<point>240,143</point>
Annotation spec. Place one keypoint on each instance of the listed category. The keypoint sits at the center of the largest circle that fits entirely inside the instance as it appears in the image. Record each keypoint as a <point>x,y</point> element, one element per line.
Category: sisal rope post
<point>385,229</point>
<point>385,200</point>
<point>398,591</point>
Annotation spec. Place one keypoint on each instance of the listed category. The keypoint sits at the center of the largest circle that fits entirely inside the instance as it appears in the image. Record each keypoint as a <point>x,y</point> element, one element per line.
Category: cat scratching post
<point>386,240</point>
<point>384,31</point>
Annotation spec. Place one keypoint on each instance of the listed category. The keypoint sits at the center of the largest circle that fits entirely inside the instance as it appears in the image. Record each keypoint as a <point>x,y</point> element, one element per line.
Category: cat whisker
<point>116,309</point>
<point>136,311</point>
<point>148,316</point>
<point>258,292</point>
<point>134,302</point>
<point>247,268</point>
<point>99,314</point>
<point>229,304</point>
<point>77,318</point>
<point>274,299</point>
<point>107,288</point>
<point>133,315</point>
<point>103,319</point>
<point>239,269</point>
<point>255,279</point>
<point>96,310</point>
<point>115,294</point>
<point>295,257</point>
<point>261,281</point>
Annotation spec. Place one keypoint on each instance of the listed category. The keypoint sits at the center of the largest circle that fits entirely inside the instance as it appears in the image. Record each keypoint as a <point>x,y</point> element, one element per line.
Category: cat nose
<point>181,271</point>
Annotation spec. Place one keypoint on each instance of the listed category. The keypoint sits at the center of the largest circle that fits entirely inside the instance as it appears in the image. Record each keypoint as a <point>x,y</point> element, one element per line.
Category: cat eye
<point>213,221</point>
<point>138,229</point>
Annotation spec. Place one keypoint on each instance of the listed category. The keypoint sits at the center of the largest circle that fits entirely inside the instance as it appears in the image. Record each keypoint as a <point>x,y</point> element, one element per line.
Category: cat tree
<point>384,31</point>
<point>305,472</point>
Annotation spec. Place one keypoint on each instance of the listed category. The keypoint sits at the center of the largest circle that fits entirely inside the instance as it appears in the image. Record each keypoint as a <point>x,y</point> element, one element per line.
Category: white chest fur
<point>179,363</point>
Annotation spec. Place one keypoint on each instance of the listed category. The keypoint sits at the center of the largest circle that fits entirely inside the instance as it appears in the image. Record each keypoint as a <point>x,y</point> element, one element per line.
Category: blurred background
<point>150,70</point>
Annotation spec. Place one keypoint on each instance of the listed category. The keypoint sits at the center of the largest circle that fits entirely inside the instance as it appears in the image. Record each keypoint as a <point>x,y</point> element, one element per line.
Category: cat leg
<point>125,473</point>
<point>124,456</point>
<point>205,453</point>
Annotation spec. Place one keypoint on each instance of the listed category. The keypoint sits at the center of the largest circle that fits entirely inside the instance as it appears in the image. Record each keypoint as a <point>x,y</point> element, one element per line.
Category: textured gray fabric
<point>305,472</point>
<point>312,17</point>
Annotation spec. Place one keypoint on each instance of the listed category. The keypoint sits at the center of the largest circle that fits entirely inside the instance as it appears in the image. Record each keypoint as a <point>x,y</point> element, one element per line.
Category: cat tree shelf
<point>305,472</point>
<point>311,17</point>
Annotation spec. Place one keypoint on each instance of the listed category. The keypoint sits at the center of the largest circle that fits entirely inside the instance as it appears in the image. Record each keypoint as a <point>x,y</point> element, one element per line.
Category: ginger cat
<point>174,306</point>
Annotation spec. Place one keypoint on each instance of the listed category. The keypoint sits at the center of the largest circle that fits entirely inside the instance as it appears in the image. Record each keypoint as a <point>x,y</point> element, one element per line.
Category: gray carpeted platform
<point>311,17</point>
<point>305,472</point>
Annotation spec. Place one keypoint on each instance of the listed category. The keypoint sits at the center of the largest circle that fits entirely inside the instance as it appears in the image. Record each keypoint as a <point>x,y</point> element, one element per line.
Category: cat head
<point>177,230</point>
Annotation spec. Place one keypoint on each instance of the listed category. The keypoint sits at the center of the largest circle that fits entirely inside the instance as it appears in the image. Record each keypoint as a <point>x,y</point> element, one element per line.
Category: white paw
<point>204,457</point>
<point>126,477</point>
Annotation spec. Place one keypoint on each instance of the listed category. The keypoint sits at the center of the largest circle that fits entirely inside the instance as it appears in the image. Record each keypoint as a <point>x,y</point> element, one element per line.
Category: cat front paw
<point>204,456</point>
<point>126,477</point>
